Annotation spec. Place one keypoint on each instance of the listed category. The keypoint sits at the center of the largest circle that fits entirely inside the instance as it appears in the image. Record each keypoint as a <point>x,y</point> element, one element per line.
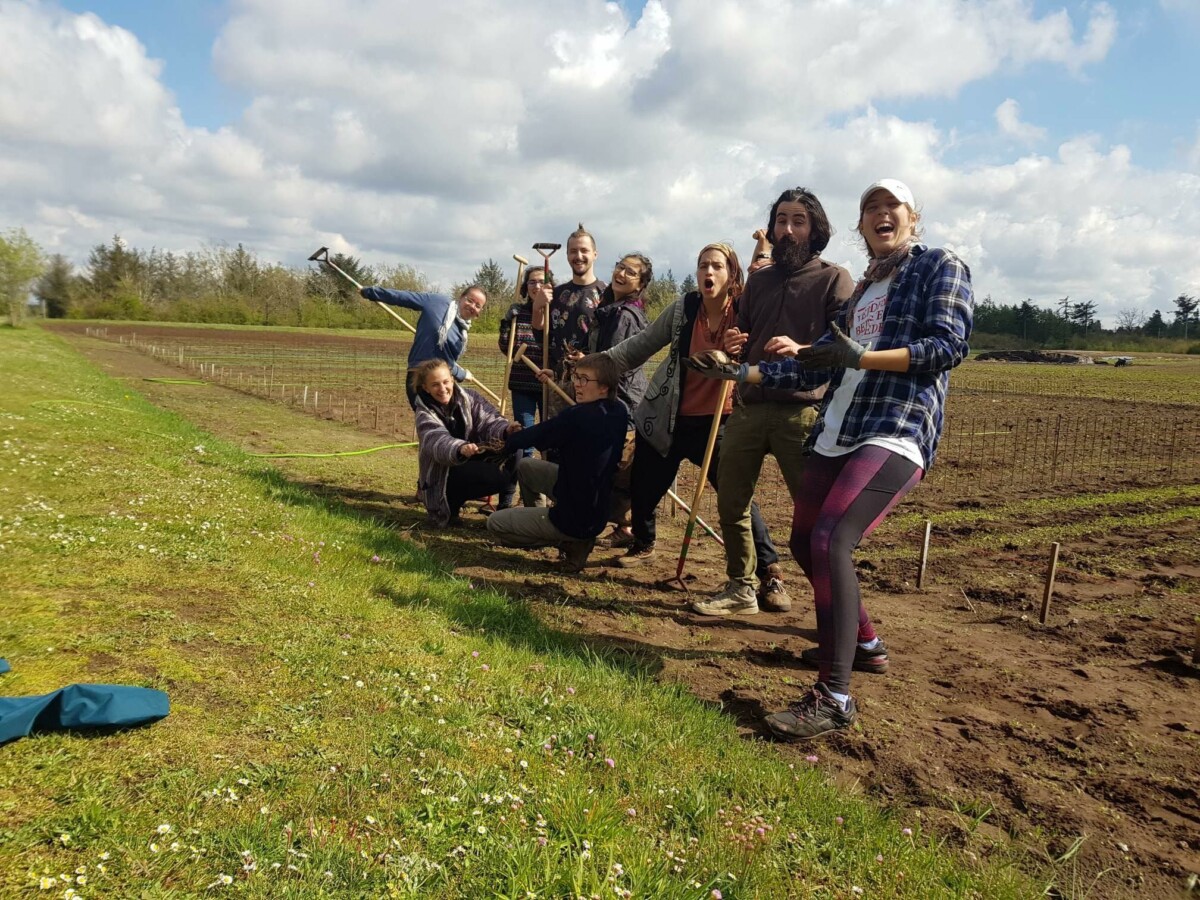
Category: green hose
<point>173,381</point>
<point>326,455</point>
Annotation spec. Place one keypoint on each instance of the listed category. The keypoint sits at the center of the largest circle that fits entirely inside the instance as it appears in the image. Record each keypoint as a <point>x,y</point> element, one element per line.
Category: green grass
<point>1152,378</point>
<point>348,718</point>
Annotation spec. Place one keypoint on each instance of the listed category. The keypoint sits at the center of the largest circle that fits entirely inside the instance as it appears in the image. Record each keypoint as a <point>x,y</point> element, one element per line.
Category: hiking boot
<point>817,714</point>
<point>635,555</point>
<point>772,595</point>
<point>620,539</point>
<point>873,662</point>
<point>734,600</point>
<point>575,554</point>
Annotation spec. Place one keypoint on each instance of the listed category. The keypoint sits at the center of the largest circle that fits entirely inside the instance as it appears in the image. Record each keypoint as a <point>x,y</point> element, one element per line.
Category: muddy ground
<point>1002,735</point>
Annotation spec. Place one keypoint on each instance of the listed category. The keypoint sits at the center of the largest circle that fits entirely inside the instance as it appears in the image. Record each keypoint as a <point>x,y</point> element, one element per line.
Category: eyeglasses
<point>578,378</point>
<point>628,270</point>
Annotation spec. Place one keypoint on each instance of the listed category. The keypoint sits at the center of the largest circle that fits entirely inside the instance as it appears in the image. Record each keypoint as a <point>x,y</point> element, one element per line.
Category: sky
<point>1054,146</point>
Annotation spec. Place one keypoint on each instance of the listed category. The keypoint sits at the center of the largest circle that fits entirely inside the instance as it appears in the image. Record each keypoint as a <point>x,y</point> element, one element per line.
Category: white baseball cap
<point>897,189</point>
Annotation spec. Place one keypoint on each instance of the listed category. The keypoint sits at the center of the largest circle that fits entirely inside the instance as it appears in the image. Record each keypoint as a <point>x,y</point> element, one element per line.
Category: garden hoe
<point>693,520</point>
<point>522,262</point>
<point>547,251</point>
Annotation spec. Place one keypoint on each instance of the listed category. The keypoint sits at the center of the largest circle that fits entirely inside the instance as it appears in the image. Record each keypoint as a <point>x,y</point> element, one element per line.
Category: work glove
<point>842,353</point>
<point>717,364</point>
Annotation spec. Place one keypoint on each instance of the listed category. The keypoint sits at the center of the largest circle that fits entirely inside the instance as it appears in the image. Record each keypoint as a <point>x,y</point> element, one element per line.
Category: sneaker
<point>620,539</point>
<point>636,555</point>
<point>815,715</point>
<point>575,554</point>
<point>735,599</point>
<point>772,595</point>
<point>873,662</point>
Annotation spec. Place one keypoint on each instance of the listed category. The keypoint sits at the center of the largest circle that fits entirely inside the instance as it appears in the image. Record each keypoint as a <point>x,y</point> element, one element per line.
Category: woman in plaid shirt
<point>887,358</point>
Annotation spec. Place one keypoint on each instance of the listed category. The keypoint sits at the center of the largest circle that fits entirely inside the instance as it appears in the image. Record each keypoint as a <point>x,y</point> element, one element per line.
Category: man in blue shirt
<point>441,328</point>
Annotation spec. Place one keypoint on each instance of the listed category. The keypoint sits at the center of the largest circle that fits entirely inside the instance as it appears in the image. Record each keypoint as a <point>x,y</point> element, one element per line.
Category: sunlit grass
<point>348,718</point>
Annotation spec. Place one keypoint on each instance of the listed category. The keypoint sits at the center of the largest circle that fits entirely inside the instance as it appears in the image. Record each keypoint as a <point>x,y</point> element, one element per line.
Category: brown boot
<point>772,595</point>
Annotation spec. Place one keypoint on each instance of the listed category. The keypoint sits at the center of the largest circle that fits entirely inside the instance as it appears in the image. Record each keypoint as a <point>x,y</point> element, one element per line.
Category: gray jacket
<point>654,417</point>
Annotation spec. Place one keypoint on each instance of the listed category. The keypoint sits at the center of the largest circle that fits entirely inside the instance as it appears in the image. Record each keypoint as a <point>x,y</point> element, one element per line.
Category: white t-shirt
<point>865,328</point>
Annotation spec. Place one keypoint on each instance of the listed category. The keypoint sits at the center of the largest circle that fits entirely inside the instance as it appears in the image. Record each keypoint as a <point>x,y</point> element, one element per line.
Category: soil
<point>1001,735</point>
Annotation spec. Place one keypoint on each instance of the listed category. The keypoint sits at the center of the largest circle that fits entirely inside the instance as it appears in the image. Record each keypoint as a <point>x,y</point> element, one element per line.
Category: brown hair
<point>737,279</point>
<point>417,379</point>
<point>581,232</point>
<point>525,279</point>
<point>607,374</point>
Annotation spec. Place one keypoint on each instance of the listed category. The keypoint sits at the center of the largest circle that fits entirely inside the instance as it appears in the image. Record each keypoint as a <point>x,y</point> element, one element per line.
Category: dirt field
<point>1078,741</point>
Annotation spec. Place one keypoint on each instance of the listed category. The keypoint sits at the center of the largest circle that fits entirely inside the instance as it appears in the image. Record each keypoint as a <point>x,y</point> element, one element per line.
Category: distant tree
<point>326,283</point>
<point>21,262</point>
<point>55,286</point>
<point>1185,306</point>
<point>403,278</point>
<point>240,271</point>
<point>490,276</point>
<point>1130,319</point>
<point>662,291</point>
<point>1026,316</point>
<point>1083,314</point>
<point>688,285</point>
<point>114,269</point>
<point>1156,325</point>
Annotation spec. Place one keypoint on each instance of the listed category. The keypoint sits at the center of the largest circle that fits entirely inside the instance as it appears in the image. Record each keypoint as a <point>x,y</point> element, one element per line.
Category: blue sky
<point>1055,146</point>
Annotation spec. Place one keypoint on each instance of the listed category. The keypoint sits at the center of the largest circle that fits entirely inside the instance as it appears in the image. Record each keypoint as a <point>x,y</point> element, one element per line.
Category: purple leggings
<point>841,500</point>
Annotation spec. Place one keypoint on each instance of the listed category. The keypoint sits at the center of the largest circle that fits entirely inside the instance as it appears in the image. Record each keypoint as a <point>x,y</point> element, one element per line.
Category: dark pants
<point>476,478</point>
<point>841,500</point>
<point>653,473</point>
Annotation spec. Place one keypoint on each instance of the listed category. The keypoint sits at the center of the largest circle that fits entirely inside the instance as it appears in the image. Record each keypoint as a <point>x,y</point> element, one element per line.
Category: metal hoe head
<point>322,255</point>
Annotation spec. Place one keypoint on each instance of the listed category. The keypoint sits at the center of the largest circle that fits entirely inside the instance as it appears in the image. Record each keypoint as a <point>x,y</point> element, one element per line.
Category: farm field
<point>350,717</point>
<point>1073,745</point>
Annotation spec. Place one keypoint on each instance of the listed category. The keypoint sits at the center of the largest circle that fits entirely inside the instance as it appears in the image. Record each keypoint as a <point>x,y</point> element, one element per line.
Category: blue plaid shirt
<point>929,310</point>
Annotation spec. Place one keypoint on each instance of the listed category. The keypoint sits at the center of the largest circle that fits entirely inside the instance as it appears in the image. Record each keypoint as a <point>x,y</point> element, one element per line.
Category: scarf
<point>448,321</point>
<point>878,269</point>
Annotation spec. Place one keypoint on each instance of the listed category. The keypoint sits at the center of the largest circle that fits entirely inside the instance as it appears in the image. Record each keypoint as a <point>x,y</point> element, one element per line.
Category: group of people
<point>843,383</point>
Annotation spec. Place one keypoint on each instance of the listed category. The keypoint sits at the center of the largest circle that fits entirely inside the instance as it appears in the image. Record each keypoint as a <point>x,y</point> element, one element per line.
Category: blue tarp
<point>80,706</point>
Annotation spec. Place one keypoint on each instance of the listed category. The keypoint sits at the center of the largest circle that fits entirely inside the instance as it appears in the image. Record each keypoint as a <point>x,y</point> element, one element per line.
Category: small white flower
<point>163,828</point>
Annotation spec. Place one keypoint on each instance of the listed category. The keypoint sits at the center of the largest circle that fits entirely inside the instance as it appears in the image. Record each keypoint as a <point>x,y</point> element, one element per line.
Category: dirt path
<point>1006,736</point>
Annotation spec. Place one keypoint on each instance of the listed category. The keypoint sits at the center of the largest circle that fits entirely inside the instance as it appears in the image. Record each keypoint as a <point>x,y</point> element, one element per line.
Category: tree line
<point>233,286</point>
<point>1068,323</point>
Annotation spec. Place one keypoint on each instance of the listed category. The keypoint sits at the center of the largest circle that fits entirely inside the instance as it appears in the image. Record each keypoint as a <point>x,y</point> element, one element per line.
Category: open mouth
<point>885,229</point>
<point>709,283</point>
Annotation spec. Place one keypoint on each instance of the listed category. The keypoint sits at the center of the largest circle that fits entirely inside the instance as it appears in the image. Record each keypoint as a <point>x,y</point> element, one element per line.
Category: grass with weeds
<point>348,718</point>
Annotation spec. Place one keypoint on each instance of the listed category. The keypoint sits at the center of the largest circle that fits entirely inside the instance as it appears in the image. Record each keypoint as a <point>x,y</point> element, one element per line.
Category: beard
<point>790,255</point>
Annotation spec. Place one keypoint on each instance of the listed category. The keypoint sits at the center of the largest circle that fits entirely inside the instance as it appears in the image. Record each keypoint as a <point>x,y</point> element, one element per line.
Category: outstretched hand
<point>717,364</point>
<point>842,353</point>
<point>466,451</point>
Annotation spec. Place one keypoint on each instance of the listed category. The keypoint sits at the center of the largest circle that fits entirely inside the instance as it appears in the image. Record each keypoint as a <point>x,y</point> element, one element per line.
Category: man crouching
<point>588,438</point>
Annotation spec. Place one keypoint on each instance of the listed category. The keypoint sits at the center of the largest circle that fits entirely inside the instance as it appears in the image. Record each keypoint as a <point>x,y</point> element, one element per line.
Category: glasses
<point>579,378</point>
<point>628,270</point>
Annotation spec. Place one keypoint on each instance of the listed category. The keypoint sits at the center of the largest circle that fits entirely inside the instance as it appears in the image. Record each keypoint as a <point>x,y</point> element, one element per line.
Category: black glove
<point>843,353</point>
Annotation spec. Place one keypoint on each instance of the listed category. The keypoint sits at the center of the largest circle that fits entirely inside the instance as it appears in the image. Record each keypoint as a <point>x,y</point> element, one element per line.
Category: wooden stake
<point>924,554</point>
<point>1049,589</point>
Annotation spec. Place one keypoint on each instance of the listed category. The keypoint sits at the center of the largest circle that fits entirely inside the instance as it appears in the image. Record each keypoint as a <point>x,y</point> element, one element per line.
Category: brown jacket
<point>799,305</point>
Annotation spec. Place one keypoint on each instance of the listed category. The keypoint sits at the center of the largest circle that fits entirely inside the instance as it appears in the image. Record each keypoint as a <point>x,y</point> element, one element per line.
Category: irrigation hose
<point>327,455</point>
<point>173,381</point>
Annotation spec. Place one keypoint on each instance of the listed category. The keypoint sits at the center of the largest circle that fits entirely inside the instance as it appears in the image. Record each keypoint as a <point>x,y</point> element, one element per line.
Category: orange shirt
<point>699,393</point>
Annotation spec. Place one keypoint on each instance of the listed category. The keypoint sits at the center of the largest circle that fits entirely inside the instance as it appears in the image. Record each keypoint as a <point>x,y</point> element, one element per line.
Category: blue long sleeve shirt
<point>930,311</point>
<point>433,309</point>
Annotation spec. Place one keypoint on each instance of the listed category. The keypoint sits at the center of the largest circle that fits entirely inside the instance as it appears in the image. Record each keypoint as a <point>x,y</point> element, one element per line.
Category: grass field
<point>348,718</point>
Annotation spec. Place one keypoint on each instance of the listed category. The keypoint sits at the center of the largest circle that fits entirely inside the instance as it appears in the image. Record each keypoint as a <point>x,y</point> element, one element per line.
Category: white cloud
<point>1008,117</point>
<point>441,134</point>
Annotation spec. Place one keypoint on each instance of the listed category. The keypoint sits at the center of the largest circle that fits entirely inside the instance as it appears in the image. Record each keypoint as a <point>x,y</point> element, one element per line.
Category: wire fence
<point>1031,445</point>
